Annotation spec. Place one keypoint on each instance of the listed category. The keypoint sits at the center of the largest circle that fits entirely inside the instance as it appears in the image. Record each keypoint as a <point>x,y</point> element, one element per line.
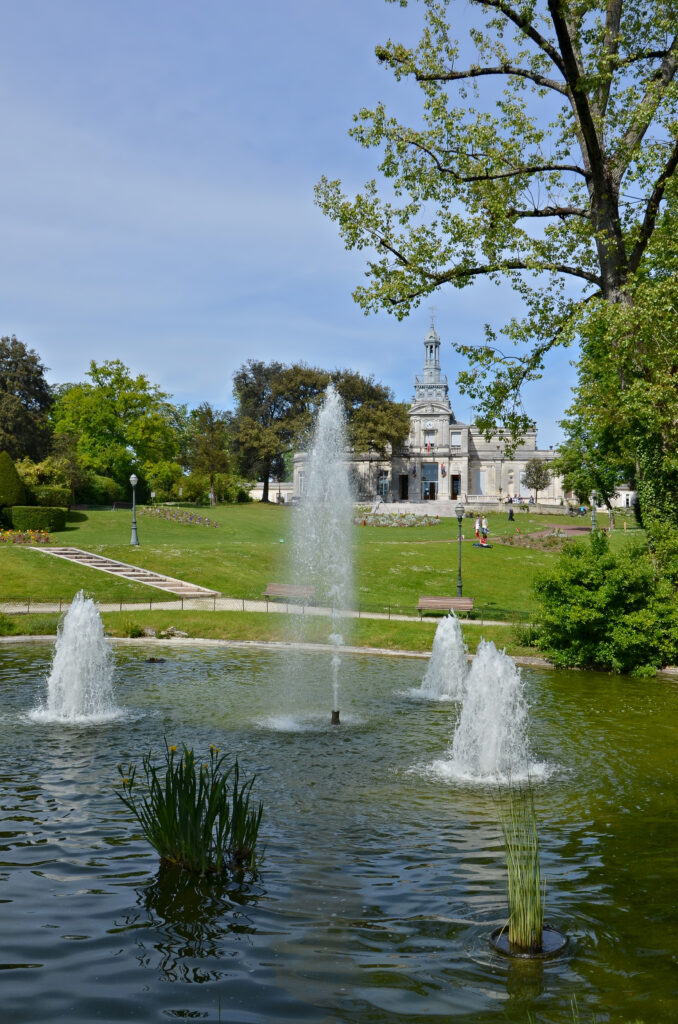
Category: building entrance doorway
<point>455,485</point>
<point>403,486</point>
<point>429,481</point>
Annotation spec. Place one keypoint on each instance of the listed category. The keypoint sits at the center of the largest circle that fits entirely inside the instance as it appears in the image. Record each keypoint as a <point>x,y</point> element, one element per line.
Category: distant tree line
<point>90,436</point>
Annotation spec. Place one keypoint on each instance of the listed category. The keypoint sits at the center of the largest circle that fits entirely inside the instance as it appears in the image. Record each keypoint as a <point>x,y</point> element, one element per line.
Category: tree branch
<point>644,113</point>
<point>552,211</point>
<point>512,173</point>
<point>500,69</point>
<point>611,47</point>
<point>525,25</point>
<point>651,210</point>
<point>434,280</point>
<point>578,97</point>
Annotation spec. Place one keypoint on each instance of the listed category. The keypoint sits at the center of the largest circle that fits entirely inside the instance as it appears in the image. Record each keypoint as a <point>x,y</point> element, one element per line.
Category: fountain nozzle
<point>335,718</point>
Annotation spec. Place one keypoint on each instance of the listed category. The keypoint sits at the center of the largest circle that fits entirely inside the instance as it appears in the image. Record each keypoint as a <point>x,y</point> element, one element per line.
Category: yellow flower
<point>172,750</point>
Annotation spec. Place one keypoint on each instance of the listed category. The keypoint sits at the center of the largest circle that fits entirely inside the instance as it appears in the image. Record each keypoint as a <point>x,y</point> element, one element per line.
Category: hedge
<point>52,496</point>
<point>12,491</point>
<point>32,517</point>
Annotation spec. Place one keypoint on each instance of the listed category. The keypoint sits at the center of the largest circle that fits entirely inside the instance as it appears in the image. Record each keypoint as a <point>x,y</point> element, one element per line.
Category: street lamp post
<point>460,516</point>
<point>594,495</point>
<point>134,481</point>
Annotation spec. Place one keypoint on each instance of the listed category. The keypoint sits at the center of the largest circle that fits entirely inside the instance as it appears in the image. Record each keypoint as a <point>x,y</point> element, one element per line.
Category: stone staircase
<point>130,572</point>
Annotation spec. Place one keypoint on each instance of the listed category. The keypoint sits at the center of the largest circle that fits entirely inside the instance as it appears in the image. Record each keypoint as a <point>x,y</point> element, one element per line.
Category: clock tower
<point>431,385</point>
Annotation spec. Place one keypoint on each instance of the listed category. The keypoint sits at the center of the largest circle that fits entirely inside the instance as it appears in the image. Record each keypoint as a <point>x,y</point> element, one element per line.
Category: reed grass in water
<point>526,888</point>
<point>196,814</point>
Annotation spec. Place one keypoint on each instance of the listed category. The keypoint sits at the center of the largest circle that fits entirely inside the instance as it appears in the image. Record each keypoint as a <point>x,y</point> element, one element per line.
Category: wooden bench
<point>290,591</point>
<point>444,604</point>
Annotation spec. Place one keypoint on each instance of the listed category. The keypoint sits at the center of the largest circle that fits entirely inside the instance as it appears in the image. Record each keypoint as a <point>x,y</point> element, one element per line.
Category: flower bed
<point>25,537</point>
<point>176,515</point>
<point>394,519</point>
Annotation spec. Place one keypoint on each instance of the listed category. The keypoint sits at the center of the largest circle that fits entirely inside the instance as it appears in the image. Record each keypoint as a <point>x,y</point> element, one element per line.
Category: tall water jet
<point>490,741</point>
<point>321,543</point>
<point>445,676</point>
<point>80,683</point>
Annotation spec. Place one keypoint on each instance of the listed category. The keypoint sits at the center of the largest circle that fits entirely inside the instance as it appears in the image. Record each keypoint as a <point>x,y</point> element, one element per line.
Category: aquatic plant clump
<point>526,888</point>
<point>196,814</point>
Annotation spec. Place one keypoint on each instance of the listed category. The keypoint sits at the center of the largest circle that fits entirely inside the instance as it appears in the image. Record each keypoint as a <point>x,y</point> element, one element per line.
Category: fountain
<point>374,876</point>
<point>80,683</point>
<point>321,548</point>
<point>490,740</point>
<point>447,670</point>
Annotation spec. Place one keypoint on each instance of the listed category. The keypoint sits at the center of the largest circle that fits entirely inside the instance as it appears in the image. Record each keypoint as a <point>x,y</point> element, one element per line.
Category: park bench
<point>290,591</point>
<point>444,604</point>
<point>121,504</point>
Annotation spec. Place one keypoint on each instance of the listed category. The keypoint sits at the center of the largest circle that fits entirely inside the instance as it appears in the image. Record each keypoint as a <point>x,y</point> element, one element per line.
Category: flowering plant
<point>176,515</point>
<point>25,537</point>
<point>394,519</point>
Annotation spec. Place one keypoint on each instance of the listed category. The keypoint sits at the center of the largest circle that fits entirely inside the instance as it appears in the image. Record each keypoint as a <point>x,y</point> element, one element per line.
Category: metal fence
<point>216,603</point>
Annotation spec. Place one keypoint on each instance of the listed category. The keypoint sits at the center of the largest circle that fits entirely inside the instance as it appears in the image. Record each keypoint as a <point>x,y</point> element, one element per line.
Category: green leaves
<point>608,610</point>
<point>121,422</point>
<point>196,814</point>
<point>545,153</point>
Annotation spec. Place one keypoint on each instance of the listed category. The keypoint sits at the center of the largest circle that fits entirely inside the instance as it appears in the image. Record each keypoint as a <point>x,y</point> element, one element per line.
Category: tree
<point>25,398</point>
<point>537,476</point>
<point>66,462</point>
<point>273,411</point>
<point>555,184</point>
<point>276,404</point>
<point>374,421</point>
<point>208,443</point>
<point>122,423</point>
<point>608,610</point>
<point>623,427</point>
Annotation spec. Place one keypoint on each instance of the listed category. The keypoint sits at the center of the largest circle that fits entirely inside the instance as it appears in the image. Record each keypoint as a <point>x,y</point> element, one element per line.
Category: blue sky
<point>157,194</point>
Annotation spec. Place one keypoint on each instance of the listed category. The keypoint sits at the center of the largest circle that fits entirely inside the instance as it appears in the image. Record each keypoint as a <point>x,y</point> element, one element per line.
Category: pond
<point>381,880</point>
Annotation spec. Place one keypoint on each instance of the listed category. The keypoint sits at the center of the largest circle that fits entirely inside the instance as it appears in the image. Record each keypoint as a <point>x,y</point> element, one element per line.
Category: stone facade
<point>443,459</point>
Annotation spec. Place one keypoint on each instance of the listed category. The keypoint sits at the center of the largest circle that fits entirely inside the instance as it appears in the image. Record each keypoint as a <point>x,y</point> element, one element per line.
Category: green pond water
<point>381,881</point>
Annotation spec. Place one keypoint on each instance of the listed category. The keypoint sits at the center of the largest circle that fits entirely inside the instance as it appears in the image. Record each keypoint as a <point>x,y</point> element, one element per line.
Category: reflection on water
<point>190,920</point>
<point>380,883</point>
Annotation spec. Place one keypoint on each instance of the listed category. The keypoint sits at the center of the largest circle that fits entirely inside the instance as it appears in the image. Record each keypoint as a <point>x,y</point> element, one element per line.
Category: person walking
<point>477,527</point>
<point>484,528</point>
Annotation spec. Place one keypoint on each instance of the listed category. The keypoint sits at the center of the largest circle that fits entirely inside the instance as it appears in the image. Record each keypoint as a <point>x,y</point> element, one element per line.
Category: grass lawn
<point>409,636</point>
<point>251,546</point>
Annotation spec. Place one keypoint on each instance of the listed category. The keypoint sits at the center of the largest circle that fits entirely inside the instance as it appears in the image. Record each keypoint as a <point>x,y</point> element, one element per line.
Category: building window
<point>430,439</point>
<point>455,439</point>
<point>382,483</point>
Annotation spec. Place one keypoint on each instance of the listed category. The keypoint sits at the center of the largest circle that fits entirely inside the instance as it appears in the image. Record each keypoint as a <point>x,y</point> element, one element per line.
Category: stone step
<point>130,572</point>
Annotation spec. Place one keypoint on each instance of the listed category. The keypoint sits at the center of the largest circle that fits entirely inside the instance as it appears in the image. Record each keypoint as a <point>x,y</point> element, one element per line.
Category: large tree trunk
<point>267,473</point>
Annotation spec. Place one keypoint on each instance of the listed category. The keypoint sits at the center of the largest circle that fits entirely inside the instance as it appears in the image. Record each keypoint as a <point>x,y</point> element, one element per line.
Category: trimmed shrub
<point>52,496</point>
<point>605,610</point>
<point>12,491</point>
<point>34,517</point>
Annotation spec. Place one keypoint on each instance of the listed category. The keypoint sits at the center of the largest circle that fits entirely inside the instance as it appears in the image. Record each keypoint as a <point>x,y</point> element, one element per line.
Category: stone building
<point>443,460</point>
